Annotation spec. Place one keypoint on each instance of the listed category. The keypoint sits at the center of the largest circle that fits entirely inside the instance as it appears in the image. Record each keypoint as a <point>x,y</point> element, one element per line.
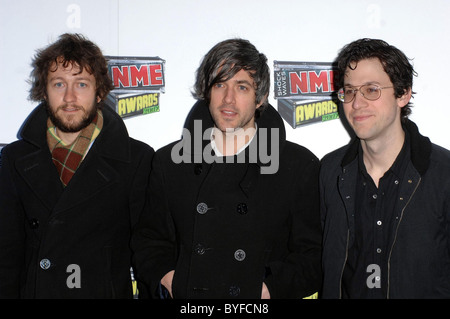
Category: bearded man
<point>72,187</point>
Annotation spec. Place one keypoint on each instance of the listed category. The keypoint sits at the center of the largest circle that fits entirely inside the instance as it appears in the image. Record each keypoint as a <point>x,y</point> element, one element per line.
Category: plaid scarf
<point>67,158</point>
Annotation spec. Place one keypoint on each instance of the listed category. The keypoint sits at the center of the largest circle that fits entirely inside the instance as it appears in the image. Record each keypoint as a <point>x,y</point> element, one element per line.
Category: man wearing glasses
<point>385,197</point>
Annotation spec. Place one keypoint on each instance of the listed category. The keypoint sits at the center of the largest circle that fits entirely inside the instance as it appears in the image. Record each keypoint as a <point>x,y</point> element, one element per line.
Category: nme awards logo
<point>305,92</point>
<point>138,82</point>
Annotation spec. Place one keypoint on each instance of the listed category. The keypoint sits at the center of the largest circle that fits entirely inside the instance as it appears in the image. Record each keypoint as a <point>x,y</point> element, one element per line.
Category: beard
<point>71,126</point>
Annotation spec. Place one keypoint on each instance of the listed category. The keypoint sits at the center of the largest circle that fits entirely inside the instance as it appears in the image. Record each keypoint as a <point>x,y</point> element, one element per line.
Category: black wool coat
<point>225,228</point>
<point>72,242</point>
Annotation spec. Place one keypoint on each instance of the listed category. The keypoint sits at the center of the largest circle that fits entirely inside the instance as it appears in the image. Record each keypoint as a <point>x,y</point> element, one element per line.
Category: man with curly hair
<point>73,186</point>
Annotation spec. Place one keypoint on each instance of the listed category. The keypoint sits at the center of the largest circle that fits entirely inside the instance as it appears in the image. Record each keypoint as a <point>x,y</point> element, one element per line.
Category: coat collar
<point>420,148</point>
<point>269,119</point>
<point>94,174</point>
<point>113,138</point>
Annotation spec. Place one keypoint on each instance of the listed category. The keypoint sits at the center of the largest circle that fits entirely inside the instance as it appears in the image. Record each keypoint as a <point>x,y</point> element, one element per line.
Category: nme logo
<point>128,76</point>
<point>142,74</point>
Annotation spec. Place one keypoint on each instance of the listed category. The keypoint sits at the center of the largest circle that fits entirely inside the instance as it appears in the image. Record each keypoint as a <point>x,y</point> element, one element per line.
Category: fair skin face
<point>71,97</point>
<point>377,123</point>
<point>232,108</point>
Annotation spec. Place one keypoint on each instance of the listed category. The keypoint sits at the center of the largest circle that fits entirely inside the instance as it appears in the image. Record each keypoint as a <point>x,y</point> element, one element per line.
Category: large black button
<point>242,208</point>
<point>34,223</point>
<point>239,255</point>
<point>45,264</point>
<point>200,290</point>
<point>199,249</point>
<point>202,208</point>
<point>198,169</point>
<point>234,291</point>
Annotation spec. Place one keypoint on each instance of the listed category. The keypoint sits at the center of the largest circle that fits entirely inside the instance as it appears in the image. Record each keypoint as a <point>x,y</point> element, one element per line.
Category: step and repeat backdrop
<point>154,48</point>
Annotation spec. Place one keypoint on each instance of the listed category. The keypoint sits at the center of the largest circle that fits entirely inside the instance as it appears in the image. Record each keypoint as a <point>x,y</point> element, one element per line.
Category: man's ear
<point>262,101</point>
<point>405,98</point>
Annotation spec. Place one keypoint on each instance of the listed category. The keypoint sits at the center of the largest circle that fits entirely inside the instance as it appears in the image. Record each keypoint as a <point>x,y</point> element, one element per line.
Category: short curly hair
<point>69,49</point>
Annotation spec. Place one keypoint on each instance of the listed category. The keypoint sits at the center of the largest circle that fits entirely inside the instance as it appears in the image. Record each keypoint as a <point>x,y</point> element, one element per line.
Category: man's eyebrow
<point>365,83</point>
<point>244,82</point>
<point>84,78</point>
<point>77,78</point>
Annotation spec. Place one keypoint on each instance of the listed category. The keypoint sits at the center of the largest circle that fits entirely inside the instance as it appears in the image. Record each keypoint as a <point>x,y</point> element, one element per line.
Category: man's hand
<point>265,294</point>
<point>166,281</point>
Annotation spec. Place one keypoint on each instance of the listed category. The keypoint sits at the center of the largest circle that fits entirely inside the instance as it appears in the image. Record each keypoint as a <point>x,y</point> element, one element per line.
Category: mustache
<point>71,106</point>
<point>228,108</point>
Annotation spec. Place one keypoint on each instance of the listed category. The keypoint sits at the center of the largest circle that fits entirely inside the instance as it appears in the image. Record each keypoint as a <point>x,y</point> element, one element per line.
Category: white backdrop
<point>182,31</point>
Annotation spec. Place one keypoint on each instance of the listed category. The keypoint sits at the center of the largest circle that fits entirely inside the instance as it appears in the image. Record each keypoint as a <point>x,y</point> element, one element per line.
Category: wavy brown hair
<point>69,49</point>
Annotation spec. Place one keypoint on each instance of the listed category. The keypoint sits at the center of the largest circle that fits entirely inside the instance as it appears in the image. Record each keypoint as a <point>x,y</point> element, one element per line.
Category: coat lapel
<point>40,174</point>
<point>347,191</point>
<point>96,172</point>
<point>93,175</point>
<point>37,168</point>
<point>250,181</point>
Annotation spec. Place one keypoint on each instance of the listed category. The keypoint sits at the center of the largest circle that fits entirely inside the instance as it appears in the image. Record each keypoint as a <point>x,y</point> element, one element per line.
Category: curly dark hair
<point>69,49</point>
<point>226,59</point>
<point>394,61</point>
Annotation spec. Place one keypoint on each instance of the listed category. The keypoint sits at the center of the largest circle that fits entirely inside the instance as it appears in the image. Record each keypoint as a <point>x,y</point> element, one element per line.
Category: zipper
<point>395,238</point>
<point>343,266</point>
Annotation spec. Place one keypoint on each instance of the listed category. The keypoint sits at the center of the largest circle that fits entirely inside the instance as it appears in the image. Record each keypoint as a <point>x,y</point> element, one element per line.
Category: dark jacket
<point>419,255</point>
<point>47,231</point>
<point>226,227</point>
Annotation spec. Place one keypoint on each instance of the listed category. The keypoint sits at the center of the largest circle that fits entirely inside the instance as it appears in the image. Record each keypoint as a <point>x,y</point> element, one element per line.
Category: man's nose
<point>229,95</point>
<point>359,100</point>
<point>69,95</point>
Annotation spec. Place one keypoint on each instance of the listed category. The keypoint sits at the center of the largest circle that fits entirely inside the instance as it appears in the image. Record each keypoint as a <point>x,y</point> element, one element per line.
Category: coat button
<point>202,208</point>
<point>234,291</point>
<point>198,169</point>
<point>199,249</point>
<point>199,290</point>
<point>239,255</point>
<point>45,264</point>
<point>242,208</point>
<point>34,223</point>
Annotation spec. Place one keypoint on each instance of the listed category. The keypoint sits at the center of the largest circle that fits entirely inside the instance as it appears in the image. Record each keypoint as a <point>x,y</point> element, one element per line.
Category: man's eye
<point>349,91</point>
<point>242,88</point>
<point>59,84</point>
<point>82,85</point>
<point>372,89</point>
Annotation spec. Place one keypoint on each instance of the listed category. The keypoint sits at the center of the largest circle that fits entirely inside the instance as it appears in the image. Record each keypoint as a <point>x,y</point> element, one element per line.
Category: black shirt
<point>376,216</point>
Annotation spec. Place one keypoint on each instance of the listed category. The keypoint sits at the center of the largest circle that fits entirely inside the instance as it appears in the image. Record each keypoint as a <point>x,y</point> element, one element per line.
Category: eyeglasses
<point>371,92</point>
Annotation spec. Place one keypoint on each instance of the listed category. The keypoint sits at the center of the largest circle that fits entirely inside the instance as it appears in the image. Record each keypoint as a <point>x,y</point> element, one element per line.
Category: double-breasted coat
<point>225,228</point>
<point>71,242</point>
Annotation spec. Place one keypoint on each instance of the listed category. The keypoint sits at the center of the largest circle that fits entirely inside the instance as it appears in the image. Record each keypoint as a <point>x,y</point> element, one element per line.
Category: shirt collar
<point>400,163</point>
<point>219,154</point>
